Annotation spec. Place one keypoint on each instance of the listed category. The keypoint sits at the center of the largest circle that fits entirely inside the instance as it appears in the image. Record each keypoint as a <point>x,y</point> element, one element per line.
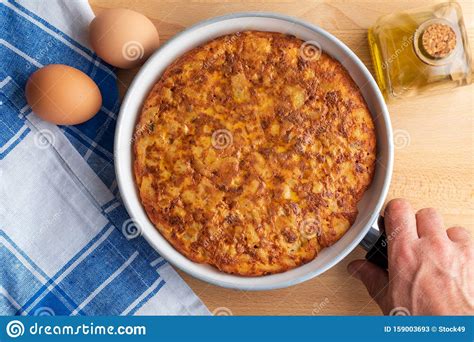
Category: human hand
<point>430,269</point>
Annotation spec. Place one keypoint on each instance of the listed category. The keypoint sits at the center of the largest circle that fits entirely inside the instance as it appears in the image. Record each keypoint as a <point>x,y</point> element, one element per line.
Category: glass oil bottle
<point>418,51</point>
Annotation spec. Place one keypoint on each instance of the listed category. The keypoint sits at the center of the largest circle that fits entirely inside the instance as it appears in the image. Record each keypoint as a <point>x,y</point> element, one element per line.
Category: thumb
<point>374,278</point>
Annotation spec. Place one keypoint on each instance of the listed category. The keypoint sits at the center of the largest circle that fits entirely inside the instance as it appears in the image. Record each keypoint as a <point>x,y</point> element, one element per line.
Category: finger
<point>400,224</point>
<point>458,234</point>
<point>373,277</point>
<point>429,222</point>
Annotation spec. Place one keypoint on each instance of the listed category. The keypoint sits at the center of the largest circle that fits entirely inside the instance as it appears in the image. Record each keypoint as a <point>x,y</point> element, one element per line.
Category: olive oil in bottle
<point>422,50</point>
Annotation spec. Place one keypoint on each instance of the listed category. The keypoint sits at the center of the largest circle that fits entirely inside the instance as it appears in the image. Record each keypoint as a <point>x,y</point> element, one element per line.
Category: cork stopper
<point>438,40</point>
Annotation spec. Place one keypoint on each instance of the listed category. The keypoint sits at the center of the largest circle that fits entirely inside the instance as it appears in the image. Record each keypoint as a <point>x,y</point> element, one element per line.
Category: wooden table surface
<point>434,164</point>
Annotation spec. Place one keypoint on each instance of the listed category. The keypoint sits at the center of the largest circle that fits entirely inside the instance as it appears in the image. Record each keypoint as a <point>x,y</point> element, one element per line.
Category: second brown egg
<point>123,38</point>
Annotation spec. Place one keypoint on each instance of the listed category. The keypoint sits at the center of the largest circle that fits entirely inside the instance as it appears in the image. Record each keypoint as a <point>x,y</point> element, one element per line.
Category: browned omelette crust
<point>251,156</point>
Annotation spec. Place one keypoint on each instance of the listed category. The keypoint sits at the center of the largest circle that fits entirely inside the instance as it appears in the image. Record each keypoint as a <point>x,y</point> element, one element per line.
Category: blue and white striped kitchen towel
<point>63,251</point>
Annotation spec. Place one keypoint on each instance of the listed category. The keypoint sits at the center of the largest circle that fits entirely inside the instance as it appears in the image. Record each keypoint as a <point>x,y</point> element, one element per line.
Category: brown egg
<point>123,38</point>
<point>63,95</point>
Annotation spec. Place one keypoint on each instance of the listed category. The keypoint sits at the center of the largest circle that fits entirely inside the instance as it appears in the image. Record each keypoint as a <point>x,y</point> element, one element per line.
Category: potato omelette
<point>252,151</point>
